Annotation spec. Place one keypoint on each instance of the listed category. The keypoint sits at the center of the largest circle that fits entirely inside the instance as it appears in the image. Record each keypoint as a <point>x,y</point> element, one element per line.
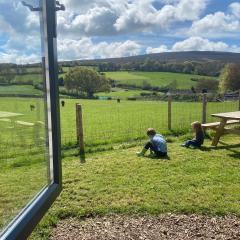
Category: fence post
<point>169,112</point>
<point>79,129</point>
<point>204,108</point>
<point>239,100</point>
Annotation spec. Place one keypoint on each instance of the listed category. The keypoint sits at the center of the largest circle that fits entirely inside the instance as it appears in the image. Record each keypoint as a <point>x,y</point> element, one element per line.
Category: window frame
<point>23,224</point>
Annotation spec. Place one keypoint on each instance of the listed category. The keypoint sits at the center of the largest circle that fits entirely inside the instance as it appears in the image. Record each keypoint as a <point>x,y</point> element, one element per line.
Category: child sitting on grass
<point>157,145</point>
<point>199,139</point>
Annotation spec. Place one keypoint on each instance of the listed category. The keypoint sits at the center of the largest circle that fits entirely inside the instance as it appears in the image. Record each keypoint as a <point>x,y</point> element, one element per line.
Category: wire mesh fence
<point>106,122</point>
<point>23,131</point>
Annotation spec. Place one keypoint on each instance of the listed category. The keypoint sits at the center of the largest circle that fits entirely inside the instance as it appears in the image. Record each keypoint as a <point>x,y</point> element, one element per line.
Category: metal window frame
<point>22,226</point>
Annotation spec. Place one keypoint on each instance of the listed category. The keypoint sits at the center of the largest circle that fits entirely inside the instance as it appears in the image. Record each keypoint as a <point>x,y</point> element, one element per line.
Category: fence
<point>107,122</point>
<point>103,122</point>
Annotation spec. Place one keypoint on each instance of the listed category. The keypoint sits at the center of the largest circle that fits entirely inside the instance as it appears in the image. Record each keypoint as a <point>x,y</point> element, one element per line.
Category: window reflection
<point>23,138</point>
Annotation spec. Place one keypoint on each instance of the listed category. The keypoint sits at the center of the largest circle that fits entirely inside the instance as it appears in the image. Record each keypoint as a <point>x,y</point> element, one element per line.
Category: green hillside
<point>158,79</point>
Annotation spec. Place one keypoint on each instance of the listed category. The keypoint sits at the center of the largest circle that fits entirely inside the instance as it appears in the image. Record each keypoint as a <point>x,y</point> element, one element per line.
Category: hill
<point>202,56</point>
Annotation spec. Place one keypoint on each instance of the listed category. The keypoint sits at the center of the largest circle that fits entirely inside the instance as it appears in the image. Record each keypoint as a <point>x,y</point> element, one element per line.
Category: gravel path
<point>174,227</point>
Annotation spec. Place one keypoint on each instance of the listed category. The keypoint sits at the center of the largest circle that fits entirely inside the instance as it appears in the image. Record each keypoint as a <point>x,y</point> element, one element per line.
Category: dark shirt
<point>200,137</point>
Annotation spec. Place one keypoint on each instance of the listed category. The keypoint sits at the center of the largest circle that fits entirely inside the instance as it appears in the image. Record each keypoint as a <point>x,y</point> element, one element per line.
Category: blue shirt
<point>159,143</point>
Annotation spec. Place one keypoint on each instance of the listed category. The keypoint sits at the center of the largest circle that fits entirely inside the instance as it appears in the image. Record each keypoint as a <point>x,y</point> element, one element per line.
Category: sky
<point>90,29</point>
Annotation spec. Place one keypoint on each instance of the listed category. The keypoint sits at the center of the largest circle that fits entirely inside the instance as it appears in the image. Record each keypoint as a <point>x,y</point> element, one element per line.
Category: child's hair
<point>197,126</point>
<point>151,132</point>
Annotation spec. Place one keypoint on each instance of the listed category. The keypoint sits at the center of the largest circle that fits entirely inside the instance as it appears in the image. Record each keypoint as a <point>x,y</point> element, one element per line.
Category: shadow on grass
<point>231,148</point>
<point>158,158</point>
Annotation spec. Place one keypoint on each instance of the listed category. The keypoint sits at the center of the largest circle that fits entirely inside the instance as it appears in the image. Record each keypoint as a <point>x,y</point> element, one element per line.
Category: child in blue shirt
<point>199,138</point>
<point>157,144</point>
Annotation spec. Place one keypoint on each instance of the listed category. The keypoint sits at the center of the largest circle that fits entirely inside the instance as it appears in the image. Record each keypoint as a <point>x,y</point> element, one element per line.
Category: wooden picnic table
<point>221,130</point>
<point>9,114</point>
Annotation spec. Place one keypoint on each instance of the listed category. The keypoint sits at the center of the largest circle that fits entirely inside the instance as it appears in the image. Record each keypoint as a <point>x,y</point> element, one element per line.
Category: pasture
<point>122,93</point>
<point>109,122</point>
<point>19,89</point>
<point>156,79</point>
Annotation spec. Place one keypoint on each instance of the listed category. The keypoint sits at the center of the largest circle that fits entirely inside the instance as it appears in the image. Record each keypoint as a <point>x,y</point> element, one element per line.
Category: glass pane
<point>23,138</point>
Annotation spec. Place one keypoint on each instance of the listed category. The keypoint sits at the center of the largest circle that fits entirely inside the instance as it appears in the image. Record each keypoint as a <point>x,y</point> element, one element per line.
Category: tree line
<point>206,68</point>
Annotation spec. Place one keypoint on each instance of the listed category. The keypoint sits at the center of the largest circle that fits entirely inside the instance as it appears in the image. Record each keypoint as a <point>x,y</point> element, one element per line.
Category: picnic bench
<point>230,118</point>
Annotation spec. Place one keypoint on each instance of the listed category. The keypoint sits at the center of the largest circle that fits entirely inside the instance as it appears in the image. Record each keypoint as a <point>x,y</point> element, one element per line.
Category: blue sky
<point>114,28</point>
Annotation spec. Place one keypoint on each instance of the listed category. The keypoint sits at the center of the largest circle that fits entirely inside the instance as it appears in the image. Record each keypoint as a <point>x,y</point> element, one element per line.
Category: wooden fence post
<point>239,100</point>
<point>204,108</point>
<point>79,129</point>
<point>169,112</point>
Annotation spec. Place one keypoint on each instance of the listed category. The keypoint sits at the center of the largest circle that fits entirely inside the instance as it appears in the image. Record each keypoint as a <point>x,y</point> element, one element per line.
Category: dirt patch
<point>174,227</point>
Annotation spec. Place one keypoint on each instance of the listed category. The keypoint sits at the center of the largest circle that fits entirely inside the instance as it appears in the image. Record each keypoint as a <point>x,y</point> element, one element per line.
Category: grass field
<point>116,181</point>
<point>122,93</point>
<point>21,178</point>
<point>205,181</point>
<point>22,147</point>
<point>19,89</point>
<point>35,78</point>
<point>108,122</point>
<point>159,79</point>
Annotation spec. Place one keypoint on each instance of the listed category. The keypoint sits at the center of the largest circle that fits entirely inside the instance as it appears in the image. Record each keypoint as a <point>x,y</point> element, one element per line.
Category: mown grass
<point>158,79</point>
<point>202,181</point>
<point>21,178</point>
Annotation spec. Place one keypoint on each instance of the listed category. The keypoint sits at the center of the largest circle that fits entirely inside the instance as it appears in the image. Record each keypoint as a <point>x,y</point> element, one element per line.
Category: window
<point>30,165</point>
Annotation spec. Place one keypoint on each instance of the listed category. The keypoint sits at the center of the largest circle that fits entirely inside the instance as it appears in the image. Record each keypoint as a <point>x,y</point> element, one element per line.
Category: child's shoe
<point>141,154</point>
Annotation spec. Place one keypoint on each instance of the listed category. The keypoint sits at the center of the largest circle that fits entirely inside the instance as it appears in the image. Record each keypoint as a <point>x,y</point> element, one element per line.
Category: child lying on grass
<point>157,145</point>
<point>199,139</point>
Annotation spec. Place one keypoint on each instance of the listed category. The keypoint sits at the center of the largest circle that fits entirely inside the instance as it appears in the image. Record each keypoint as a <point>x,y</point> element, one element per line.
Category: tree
<point>230,78</point>
<point>208,84</point>
<point>8,75</point>
<point>86,80</point>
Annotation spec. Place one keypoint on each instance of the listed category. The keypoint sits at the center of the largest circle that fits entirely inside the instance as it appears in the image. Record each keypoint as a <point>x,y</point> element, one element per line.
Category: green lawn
<point>159,79</point>
<point>205,181</point>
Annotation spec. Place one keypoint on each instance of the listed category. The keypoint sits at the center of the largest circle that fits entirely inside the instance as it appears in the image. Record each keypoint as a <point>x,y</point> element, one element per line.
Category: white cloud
<point>86,49</point>
<point>196,44</point>
<point>108,17</point>
<point>161,48</point>
<point>199,44</point>
<point>84,21</point>
<point>218,24</point>
<point>141,15</point>
<point>20,33</point>
<point>97,21</point>
<point>235,9</point>
<point>19,58</point>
